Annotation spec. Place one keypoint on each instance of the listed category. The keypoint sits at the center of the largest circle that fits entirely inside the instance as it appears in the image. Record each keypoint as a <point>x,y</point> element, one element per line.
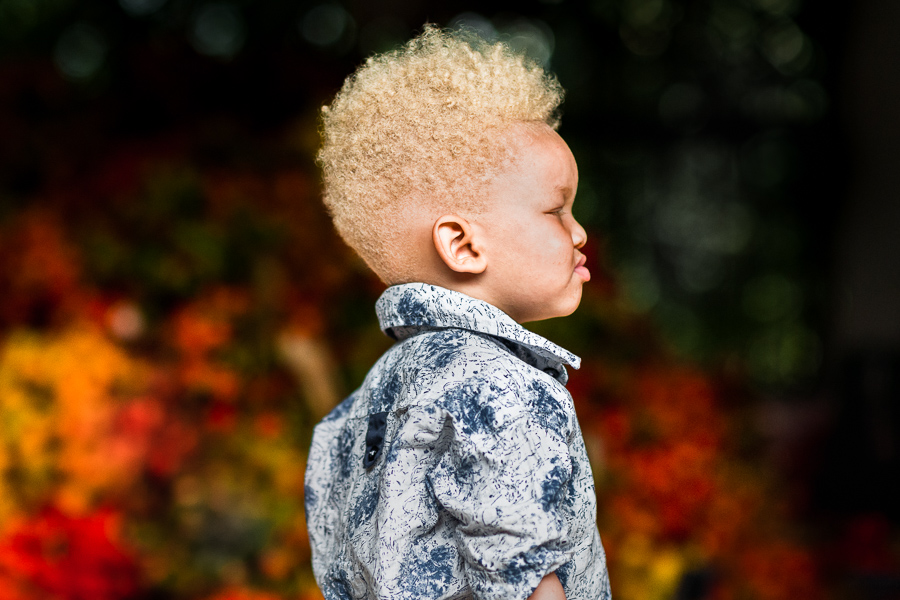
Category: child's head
<point>420,128</point>
<point>448,127</point>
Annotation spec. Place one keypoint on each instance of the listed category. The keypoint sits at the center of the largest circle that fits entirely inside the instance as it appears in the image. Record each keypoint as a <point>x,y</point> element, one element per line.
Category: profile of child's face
<point>535,270</point>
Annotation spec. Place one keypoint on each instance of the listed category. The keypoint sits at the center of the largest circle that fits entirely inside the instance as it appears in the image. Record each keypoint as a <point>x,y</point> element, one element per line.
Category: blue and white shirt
<point>458,469</point>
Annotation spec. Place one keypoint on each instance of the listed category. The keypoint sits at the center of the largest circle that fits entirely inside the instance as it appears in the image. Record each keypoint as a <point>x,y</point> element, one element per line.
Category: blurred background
<point>176,312</point>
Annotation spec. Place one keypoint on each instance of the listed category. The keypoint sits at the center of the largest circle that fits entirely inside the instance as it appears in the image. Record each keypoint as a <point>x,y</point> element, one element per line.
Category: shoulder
<point>484,387</point>
<point>465,353</point>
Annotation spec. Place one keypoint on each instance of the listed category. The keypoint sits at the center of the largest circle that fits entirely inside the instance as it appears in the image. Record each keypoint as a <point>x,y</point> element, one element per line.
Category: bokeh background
<point>176,312</point>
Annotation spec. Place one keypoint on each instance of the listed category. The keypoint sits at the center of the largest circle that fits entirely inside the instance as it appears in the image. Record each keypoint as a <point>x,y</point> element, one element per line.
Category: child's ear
<point>454,240</point>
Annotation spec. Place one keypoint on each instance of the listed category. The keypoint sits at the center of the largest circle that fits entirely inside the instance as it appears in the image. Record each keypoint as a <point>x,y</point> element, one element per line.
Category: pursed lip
<point>581,270</point>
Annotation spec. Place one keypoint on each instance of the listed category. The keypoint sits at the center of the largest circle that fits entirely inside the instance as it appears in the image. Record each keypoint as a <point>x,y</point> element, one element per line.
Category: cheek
<point>536,245</point>
<point>558,248</point>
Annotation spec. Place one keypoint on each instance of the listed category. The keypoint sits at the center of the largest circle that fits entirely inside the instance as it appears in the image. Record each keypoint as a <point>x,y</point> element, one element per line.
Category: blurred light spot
<point>381,35</point>
<point>533,37</point>
<point>777,7</point>
<point>234,572</point>
<point>188,491</point>
<point>475,22</point>
<point>641,13</point>
<point>734,21</point>
<point>141,8</point>
<point>640,284</point>
<point>681,104</point>
<point>698,272</point>
<point>736,228</point>
<point>773,104</point>
<point>646,25</point>
<point>784,354</point>
<point>771,297</point>
<point>126,321</point>
<point>644,43</point>
<point>704,225</point>
<point>218,30</point>
<point>697,217</point>
<point>783,43</point>
<point>732,31</point>
<point>787,48</point>
<point>327,25</point>
<point>80,51</point>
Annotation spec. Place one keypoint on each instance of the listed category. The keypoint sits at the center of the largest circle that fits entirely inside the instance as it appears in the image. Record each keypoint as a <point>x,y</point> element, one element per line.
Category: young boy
<point>458,469</point>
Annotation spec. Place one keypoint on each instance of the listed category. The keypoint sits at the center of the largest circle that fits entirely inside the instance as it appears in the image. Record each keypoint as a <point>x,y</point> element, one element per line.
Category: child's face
<point>535,270</point>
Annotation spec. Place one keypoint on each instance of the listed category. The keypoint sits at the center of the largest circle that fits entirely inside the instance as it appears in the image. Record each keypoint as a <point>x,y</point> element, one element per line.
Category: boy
<point>457,469</point>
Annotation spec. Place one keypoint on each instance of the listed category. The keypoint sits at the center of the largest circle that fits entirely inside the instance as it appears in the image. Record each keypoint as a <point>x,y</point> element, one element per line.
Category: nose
<point>579,235</point>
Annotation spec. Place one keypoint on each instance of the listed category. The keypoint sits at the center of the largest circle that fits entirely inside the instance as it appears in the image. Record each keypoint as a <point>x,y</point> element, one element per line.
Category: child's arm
<point>549,589</point>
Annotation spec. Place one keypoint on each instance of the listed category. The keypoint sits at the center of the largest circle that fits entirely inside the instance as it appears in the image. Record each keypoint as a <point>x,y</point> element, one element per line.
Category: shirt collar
<point>407,309</point>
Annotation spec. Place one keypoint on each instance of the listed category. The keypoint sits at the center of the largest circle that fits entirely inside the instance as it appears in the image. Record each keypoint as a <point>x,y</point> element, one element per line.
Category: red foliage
<point>39,269</point>
<point>221,416</point>
<point>667,448</point>
<point>663,438</point>
<point>865,546</point>
<point>175,442</point>
<point>56,556</point>
<point>780,571</point>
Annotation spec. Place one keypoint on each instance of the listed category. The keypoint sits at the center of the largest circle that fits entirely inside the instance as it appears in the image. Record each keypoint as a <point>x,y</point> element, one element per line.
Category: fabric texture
<point>457,469</point>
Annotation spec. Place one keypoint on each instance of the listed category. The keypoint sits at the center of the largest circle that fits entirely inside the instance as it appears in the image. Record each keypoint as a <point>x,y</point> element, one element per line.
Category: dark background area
<point>739,183</point>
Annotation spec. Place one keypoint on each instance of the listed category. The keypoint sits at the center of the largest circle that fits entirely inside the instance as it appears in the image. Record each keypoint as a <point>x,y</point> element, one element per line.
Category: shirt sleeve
<point>504,479</point>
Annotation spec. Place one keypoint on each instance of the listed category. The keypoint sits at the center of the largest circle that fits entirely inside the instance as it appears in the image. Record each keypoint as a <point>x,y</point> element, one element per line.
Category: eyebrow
<point>566,190</point>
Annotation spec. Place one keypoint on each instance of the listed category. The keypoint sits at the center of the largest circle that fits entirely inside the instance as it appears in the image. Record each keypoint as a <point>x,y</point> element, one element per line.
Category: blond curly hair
<point>422,128</point>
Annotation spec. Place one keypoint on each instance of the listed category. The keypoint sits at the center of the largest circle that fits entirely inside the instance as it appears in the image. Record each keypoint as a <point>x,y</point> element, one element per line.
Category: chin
<point>561,304</point>
<point>573,304</point>
<point>560,310</point>
<point>567,311</point>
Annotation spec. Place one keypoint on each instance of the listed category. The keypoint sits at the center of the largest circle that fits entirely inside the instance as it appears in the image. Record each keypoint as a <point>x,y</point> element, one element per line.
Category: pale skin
<point>549,589</point>
<point>522,254</point>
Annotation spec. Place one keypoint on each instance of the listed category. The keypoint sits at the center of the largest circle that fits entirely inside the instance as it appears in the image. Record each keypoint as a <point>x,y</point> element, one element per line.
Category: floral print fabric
<point>457,469</point>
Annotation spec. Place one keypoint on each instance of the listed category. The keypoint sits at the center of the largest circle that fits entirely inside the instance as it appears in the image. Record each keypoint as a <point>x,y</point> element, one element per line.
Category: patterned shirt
<point>458,469</point>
